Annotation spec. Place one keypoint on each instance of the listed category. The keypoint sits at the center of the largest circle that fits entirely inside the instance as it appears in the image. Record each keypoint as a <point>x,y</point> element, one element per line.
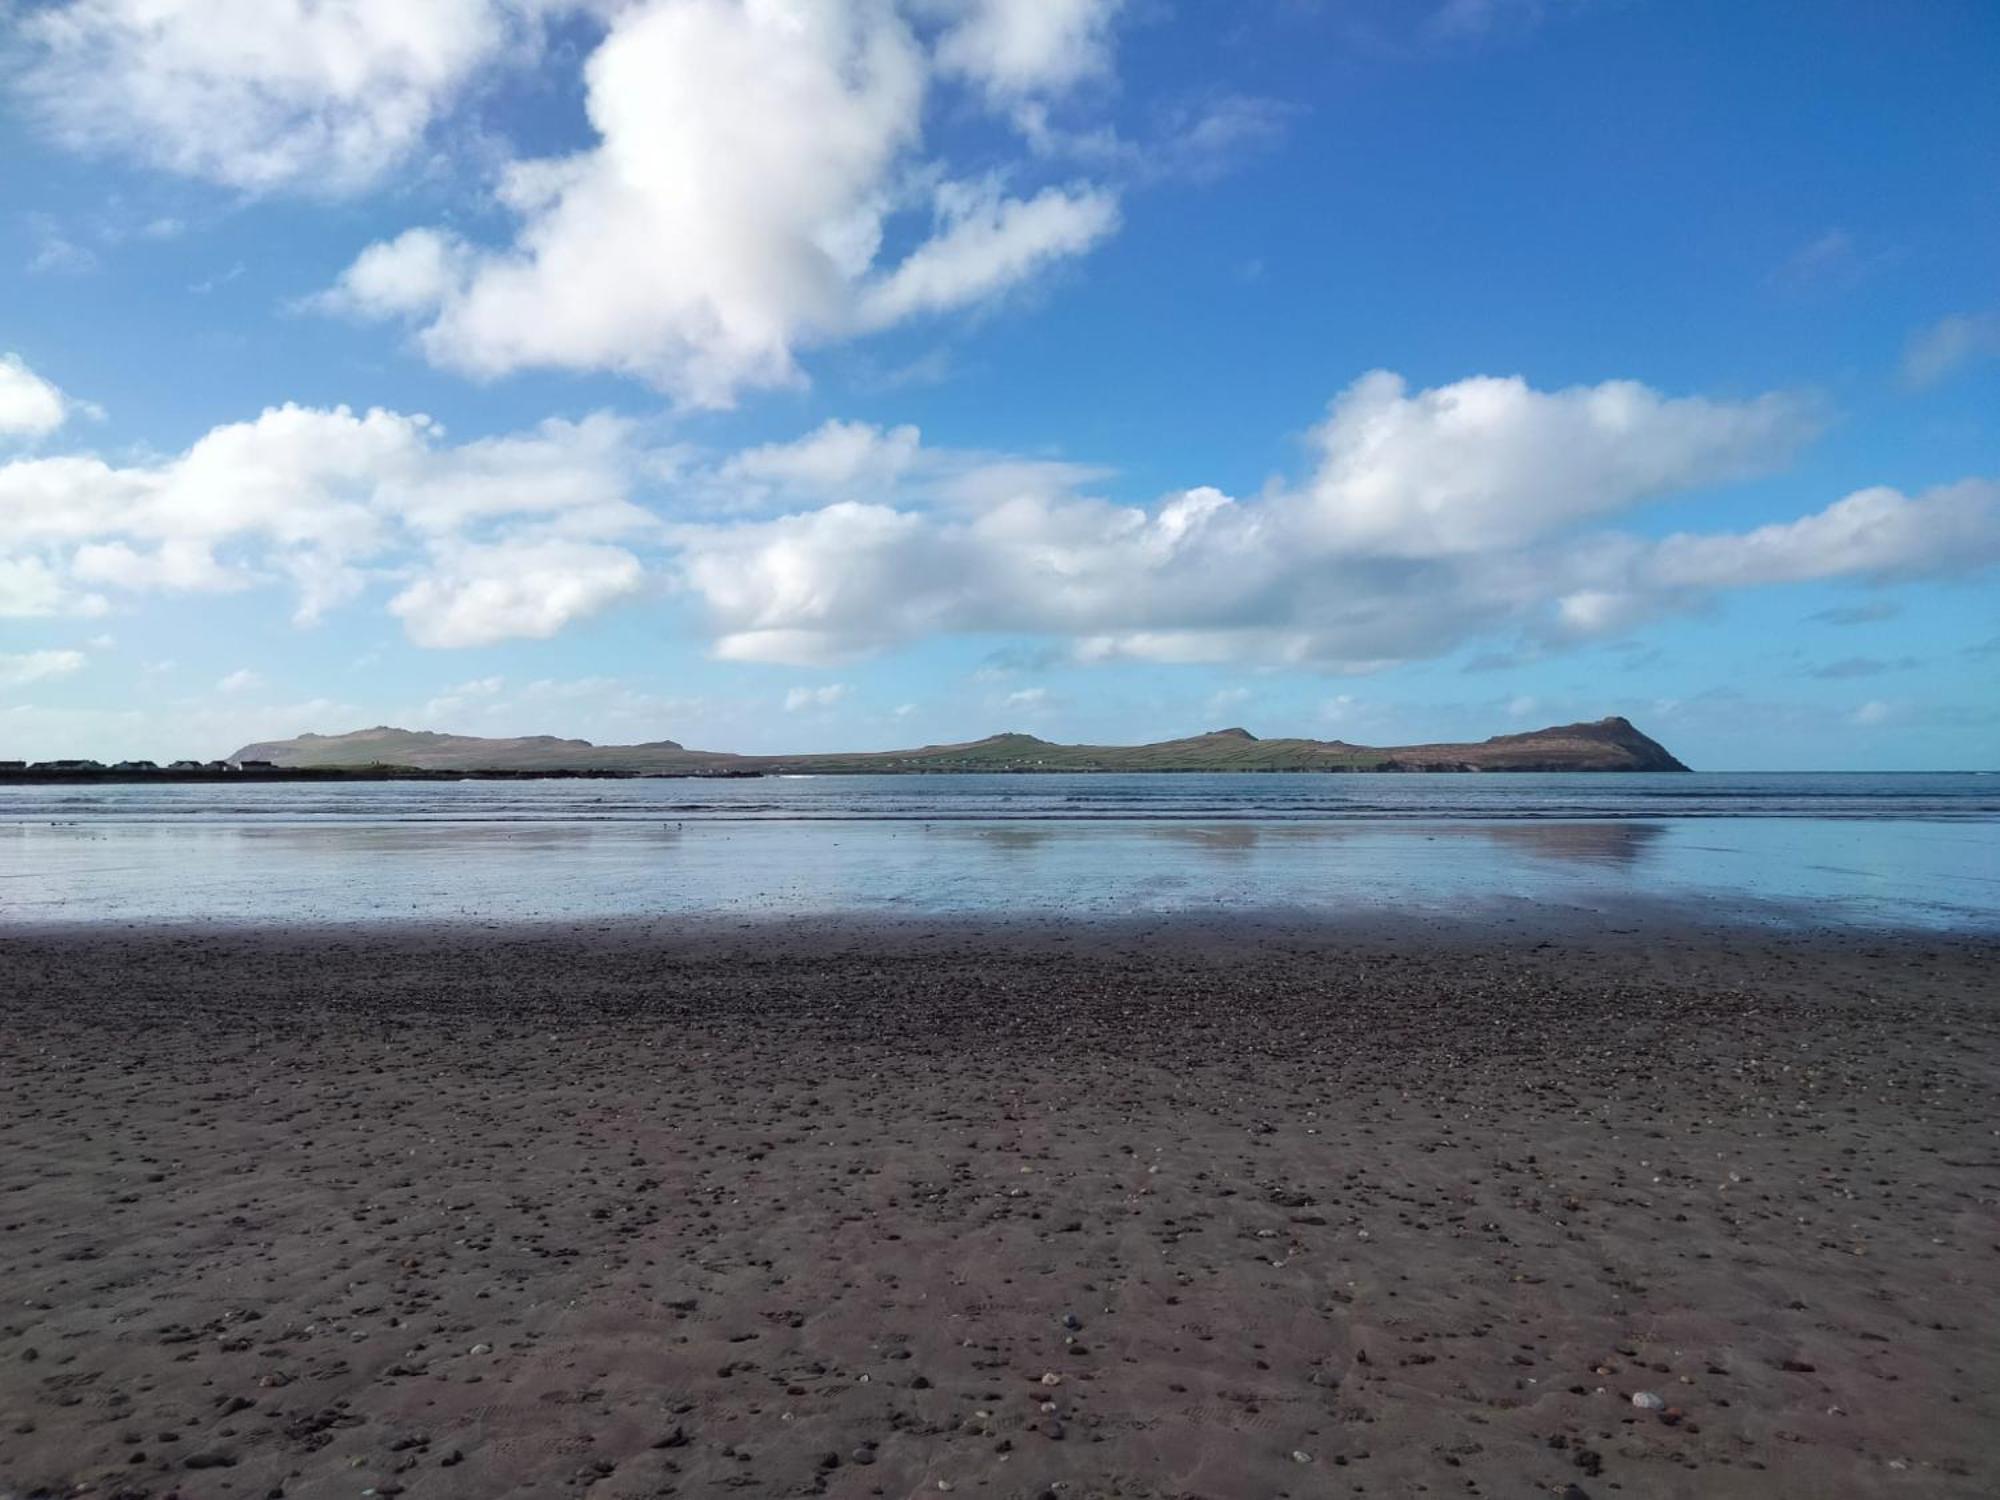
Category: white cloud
<point>318,95</point>
<point>1029,697</point>
<point>18,669</point>
<point>32,587</point>
<point>1412,533</point>
<point>478,595</point>
<point>1948,345</point>
<point>1426,520</point>
<point>800,699</point>
<point>1492,462</point>
<point>750,157</point>
<point>1874,533</point>
<point>1017,48</point>
<point>242,680</point>
<point>985,243</point>
<point>29,405</point>
<point>836,460</point>
<point>408,276</point>
<point>323,500</point>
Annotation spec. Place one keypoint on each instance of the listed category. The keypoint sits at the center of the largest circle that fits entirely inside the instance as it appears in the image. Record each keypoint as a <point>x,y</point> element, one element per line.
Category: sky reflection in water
<point>1882,873</point>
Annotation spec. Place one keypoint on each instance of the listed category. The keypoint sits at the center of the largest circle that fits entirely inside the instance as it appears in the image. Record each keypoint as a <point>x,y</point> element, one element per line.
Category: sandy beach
<point>1175,1208</point>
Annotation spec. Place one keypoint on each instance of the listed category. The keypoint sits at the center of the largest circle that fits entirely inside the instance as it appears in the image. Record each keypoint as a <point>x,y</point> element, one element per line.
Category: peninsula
<point>1611,744</point>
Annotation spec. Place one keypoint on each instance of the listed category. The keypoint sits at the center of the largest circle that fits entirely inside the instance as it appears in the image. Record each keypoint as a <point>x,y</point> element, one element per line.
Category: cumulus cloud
<point>322,500</point>
<point>18,669</point>
<point>29,405</point>
<point>477,595</point>
<point>1876,533</point>
<point>1491,462</point>
<point>1016,49</point>
<point>32,587</point>
<point>1425,520</point>
<point>408,276</point>
<point>750,156</point>
<point>320,95</point>
<point>837,460</point>
<point>1427,517</point>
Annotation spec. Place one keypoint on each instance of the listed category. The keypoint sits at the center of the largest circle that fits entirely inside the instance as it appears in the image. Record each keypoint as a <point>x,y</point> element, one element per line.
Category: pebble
<point>1647,1401</point>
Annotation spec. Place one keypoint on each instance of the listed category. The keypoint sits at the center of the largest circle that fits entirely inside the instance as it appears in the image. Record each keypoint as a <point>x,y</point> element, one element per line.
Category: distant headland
<point>383,753</point>
<point>1606,745</point>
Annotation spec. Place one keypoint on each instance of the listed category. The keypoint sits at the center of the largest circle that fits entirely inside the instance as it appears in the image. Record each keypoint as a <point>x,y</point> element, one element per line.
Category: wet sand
<point>1239,1209</point>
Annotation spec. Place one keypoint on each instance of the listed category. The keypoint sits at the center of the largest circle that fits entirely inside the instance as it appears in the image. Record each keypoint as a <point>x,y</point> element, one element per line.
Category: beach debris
<point>1647,1401</point>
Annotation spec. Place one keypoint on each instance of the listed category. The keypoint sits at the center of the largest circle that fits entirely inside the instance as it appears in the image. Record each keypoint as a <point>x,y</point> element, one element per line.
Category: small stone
<point>481,1349</point>
<point>1051,1378</point>
<point>1072,1322</point>
<point>1647,1401</point>
<point>863,1456</point>
<point>1300,1456</point>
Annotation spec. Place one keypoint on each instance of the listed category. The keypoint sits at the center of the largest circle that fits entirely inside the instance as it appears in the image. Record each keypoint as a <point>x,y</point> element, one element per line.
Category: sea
<point>1811,850</point>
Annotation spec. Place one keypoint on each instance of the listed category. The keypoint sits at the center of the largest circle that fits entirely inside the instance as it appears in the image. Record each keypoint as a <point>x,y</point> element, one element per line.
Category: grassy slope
<point>1611,744</point>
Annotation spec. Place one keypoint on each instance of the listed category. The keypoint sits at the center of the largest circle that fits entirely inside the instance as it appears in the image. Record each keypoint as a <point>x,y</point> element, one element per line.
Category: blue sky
<point>767,375</point>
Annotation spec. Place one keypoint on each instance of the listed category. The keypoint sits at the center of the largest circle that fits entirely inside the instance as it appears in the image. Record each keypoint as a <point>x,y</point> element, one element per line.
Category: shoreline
<point>649,1208</point>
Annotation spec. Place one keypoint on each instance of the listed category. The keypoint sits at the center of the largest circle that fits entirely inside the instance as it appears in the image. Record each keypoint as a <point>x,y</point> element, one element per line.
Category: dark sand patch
<point>814,1210</point>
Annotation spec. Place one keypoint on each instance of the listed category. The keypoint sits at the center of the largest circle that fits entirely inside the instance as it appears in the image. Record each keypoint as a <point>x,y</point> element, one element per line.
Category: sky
<point>823,374</point>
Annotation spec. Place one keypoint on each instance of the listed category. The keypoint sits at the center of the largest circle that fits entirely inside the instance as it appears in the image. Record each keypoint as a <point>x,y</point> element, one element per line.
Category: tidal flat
<point>1161,1207</point>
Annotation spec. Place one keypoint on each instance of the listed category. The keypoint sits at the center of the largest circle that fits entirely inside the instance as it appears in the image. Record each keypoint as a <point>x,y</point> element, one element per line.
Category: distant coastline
<point>387,754</point>
<point>1610,744</point>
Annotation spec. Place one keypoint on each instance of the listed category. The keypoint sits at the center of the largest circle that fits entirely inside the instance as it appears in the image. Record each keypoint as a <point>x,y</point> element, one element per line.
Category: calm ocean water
<point>1920,850</point>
